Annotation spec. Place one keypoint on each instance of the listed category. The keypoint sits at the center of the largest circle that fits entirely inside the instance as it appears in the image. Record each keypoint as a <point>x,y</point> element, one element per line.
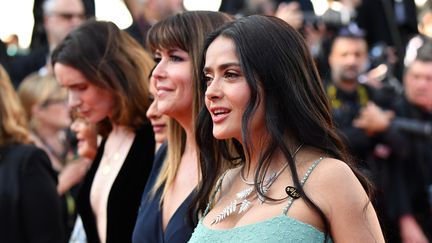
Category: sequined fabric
<point>274,230</point>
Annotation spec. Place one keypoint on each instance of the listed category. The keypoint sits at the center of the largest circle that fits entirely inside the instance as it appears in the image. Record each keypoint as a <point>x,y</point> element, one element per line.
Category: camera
<point>331,19</point>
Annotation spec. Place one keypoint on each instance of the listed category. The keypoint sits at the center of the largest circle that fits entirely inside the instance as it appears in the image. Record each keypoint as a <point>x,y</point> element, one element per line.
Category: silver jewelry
<point>245,197</point>
<point>106,167</point>
<point>252,182</point>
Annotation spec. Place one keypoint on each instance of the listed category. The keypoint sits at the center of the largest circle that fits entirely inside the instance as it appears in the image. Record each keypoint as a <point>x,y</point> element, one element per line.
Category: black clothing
<point>139,29</point>
<point>125,194</point>
<point>29,204</point>
<point>372,18</point>
<point>410,188</point>
<point>21,66</point>
<point>345,108</point>
<point>391,22</point>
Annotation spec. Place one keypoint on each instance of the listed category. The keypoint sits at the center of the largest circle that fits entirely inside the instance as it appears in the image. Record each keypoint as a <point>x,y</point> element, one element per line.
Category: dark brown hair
<point>111,59</point>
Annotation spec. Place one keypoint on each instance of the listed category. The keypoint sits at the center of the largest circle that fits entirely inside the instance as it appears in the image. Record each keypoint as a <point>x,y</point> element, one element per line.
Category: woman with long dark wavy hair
<point>293,181</point>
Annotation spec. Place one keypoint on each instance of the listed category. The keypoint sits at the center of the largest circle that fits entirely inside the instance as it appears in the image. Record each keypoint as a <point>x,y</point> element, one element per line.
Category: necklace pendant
<point>292,192</point>
<point>244,206</point>
<point>106,169</point>
<point>227,211</point>
<point>245,193</point>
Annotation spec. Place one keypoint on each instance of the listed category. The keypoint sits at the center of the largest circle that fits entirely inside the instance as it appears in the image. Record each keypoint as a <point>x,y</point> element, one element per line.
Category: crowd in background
<point>374,58</point>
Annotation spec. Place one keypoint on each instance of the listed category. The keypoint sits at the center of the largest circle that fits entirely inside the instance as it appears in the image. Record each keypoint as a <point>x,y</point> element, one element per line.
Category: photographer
<point>348,62</point>
<point>408,135</point>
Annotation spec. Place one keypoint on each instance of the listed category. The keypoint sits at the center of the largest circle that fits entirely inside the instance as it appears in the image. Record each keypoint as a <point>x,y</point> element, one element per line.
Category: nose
<point>213,90</point>
<point>75,126</point>
<point>159,71</point>
<point>152,112</point>
<point>73,100</point>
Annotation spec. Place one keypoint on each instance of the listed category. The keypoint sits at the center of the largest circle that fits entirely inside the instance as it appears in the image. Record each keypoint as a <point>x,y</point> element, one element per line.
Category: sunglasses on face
<point>49,102</point>
<point>68,16</point>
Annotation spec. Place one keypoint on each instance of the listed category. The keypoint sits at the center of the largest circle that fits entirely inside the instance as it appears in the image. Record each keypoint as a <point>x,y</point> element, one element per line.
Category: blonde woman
<point>29,204</point>
<point>44,102</point>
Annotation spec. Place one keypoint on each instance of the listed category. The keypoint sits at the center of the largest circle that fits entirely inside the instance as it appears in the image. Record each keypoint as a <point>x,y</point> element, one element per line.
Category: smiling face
<point>173,78</point>
<point>228,92</point>
<point>157,119</point>
<point>93,102</point>
<point>87,138</point>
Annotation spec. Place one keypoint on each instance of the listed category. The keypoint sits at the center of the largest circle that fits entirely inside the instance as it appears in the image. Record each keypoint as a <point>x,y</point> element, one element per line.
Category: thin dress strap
<point>305,177</point>
<point>218,187</point>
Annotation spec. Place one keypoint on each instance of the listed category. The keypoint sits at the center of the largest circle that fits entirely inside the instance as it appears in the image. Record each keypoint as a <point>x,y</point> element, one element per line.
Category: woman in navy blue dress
<point>175,43</point>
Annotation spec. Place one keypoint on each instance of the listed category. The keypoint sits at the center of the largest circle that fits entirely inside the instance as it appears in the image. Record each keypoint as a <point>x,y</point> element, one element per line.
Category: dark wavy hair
<point>112,60</point>
<point>281,73</point>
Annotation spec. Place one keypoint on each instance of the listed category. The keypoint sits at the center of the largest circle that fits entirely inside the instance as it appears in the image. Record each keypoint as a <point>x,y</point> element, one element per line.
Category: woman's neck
<point>187,124</point>
<point>277,158</point>
<point>119,129</point>
<point>45,131</point>
<point>252,158</point>
<point>258,143</point>
<point>190,145</point>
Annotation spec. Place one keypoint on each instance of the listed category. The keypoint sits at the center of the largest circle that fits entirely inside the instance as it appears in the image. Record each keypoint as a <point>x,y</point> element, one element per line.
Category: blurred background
<point>17,21</point>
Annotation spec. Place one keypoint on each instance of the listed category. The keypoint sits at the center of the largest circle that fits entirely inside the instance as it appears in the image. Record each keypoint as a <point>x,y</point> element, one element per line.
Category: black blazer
<point>30,208</point>
<point>125,194</point>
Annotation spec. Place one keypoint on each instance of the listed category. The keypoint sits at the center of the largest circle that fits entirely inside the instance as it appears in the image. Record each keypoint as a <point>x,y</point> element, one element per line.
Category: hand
<point>373,119</point>
<point>290,13</point>
<point>376,75</point>
<point>314,36</point>
<point>411,232</point>
<point>72,174</point>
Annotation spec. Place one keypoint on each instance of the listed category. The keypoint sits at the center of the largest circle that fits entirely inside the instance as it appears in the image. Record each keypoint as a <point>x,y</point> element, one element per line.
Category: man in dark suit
<point>392,22</point>
<point>60,17</point>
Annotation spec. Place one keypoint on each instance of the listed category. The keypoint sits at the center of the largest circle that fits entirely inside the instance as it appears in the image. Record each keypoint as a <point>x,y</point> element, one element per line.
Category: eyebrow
<point>223,66</point>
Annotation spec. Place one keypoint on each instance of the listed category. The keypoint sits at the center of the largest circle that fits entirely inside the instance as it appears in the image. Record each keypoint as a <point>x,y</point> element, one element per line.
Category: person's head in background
<point>153,11</point>
<point>425,30</point>
<point>13,124</point>
<point>157,119</point>
<point>45,104</point>
<point>106,73</point>
<point>60,18</point>
<point>425,22</point>
<point>86,136</point>
<point>348,58</point>
<point>418,79</point>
